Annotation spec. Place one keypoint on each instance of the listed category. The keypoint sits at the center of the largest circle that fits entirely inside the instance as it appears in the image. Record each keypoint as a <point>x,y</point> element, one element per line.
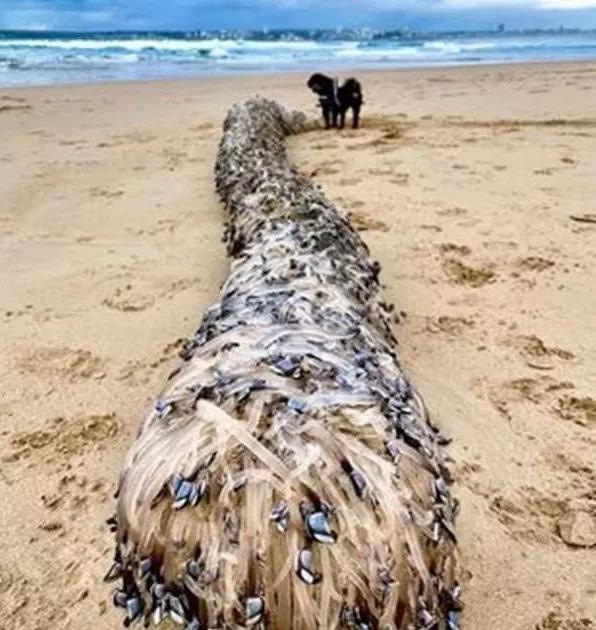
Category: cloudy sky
<point>192,14</point>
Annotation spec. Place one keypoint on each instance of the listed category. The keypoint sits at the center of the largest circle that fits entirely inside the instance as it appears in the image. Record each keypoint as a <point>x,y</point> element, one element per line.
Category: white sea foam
<point>53,59</point>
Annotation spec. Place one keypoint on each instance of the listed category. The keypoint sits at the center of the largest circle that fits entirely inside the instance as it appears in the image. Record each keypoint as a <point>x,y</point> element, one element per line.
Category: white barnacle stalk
<point>288,477</point>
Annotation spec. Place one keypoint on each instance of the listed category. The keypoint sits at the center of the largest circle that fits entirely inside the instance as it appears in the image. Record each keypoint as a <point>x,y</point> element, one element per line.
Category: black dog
<point>335,100</point>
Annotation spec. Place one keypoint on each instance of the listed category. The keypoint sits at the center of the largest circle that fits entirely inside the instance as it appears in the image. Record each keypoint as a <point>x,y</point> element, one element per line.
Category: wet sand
<point>475,190</point>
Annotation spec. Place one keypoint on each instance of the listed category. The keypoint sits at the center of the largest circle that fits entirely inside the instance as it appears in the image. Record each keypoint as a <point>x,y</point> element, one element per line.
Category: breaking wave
<point>42,58</point>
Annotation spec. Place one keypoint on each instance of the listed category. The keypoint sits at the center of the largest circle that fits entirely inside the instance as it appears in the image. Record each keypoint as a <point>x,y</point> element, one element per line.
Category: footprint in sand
<point>12,99</point>
<point>456,211</point>
<point>362,222</point>
<point>63,438</point>
<point>126,300</point>
<point>389,127</point>
<point>583,218</point>
<point>469,475</point>
<point>401,179</point>
<point>430,227</point>
<point>576,527</point>
<point>394,132</point>
<point>547,393</point>
<point>106,193</point>
<point>64,363</point>
<point>327,168</point>
<point>130,299</point>
<point>163,225</point>
<point>382,150</point>
<point>350,203</point>
<point>39,316</point>
<point>5,109</point>
<point>449,325</point>
<point>52,526</point>
<point>386,171</point>
<point>29,602</point>
<point>534,390</point>
<point>84,238</point>
<point>384,143</point>
<point>203,127</point>
<point>534,263</point>
<point>72,143</point>
<point>137,372</point>
<point>171,351</point>
<point>72,494</point>
<point>137,137</point>
<point>134,373</point>
<point>452,248</point>
<point>528,515</point>
<point>556,620</point>
<point>6,580</point>
<point>581,411</point>
<point>582,475</point>
<point>537,354</point>
<point>440,79</point>
<point>324,146</point>
<point>173,158</point>
<point>464,275</point>
<point>36,597</point>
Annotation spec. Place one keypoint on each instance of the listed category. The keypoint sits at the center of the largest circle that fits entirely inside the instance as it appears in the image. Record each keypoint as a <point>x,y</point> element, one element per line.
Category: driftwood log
<point>288,476</point>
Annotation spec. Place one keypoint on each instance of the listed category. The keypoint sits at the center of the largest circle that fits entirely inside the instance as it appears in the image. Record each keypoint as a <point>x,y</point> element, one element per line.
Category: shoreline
<point>350,70</point>
<point>482,220</point>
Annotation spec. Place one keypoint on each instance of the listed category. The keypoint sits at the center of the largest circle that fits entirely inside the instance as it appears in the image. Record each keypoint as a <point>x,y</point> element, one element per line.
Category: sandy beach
<point>474,187</point>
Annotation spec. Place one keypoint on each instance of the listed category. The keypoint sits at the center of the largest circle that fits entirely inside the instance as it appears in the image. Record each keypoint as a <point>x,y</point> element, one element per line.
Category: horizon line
<point>499,29</point>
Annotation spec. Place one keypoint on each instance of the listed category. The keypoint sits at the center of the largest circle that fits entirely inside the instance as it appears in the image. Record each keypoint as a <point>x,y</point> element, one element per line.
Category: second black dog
<point>336,100</point>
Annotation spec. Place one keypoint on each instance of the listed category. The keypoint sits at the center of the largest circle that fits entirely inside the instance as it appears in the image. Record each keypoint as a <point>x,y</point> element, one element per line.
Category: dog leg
<point>355,116</point>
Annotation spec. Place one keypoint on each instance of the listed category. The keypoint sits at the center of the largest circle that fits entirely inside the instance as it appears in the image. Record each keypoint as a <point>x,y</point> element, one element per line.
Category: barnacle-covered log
<point>288,476</point>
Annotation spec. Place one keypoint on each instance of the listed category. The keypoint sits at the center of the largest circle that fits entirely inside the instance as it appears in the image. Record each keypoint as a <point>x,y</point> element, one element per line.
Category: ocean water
<point>51,58</point>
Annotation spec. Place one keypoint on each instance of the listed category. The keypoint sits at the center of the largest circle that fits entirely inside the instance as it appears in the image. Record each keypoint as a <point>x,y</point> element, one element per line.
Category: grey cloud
<point>191,14</point>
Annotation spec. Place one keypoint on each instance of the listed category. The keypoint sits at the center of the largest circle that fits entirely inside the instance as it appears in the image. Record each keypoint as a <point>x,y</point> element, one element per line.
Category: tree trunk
<point>288,476</point>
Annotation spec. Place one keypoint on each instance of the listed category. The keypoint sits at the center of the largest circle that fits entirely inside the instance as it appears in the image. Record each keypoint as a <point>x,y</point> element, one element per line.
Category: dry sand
<point>470,186</point>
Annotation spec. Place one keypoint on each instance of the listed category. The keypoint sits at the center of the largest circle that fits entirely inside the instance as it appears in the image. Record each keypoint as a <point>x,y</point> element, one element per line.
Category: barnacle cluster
<point>288,476</point>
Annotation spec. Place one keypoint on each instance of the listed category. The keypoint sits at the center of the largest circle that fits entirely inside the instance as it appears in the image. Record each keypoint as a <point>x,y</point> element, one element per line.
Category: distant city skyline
<point>256,14</point>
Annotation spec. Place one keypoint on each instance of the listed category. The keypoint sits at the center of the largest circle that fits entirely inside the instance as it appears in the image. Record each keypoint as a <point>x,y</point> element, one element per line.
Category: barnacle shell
<point>289,408</point>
